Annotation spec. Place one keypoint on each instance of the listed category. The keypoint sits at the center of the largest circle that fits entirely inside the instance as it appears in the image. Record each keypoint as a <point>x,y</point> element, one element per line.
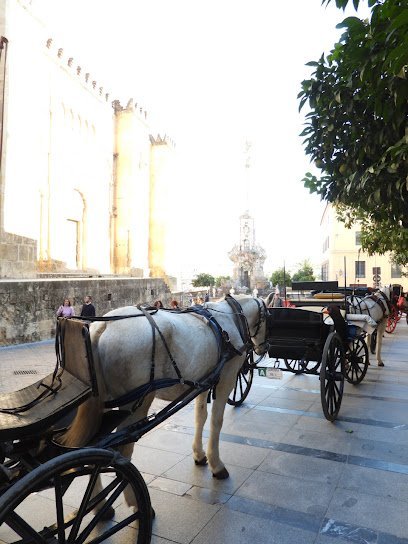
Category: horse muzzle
<point>261,349</point>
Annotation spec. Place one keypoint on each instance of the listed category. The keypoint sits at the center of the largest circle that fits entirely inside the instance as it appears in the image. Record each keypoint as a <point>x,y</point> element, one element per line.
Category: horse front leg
<point>380,333</point>
<point>200,416</point>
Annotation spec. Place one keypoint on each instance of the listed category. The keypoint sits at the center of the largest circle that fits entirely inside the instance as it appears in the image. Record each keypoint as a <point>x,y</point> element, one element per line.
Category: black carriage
<point>306,342</point>
<point>33,462</point>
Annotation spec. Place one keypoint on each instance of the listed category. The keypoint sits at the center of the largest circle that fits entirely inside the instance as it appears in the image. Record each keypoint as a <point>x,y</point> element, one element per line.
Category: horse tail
<point>88,418</point>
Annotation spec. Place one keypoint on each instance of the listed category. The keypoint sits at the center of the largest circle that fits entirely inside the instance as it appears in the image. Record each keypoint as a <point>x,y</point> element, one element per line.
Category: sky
<point>213,75</point>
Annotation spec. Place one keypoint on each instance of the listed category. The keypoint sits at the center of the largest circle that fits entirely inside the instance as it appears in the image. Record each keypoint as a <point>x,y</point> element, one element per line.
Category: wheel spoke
<point>116,528</point>
<point>234,395</point>
<point>240,384</point>
<point>23,529</point>
<point>331,398</point>
<point>337,389</point>
<point>100,513</point>
<point>60,509</point>
<point>84,503</point>
<point>245,380</point>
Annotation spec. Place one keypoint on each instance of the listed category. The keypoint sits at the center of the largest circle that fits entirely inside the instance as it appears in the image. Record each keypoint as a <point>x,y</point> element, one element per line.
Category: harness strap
<point>155,326</point>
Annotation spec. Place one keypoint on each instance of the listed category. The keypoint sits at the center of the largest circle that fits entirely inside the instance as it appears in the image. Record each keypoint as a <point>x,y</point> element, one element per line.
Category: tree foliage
<point>223,281</point>
<point>304,273</point>
<point>281,277</point>
<point>356,130</point>
<point>203,280</point>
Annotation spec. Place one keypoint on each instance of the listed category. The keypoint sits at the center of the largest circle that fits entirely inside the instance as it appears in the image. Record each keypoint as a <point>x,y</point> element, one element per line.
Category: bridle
<point>262,313</point>
<point>242,324</point>
<point>381,300</point>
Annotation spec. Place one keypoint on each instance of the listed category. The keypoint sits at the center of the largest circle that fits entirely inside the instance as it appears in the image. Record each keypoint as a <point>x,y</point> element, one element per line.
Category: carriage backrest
<point>291,322</point>
<point>74,344</point>
<point>294,333</point>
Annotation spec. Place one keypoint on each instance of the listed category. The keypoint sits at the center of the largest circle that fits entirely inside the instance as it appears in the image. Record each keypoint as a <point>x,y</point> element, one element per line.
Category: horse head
<point>255,312</point>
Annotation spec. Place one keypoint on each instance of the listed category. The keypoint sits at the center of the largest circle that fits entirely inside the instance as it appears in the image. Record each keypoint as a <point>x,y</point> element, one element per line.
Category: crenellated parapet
<point>68,63</point>
<point>131,107</point>
<point>162,140</point>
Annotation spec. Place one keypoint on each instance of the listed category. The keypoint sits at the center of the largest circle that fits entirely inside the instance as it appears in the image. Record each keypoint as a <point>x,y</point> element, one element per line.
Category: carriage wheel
<point>332,376</point>
<point>373,342</point>
<point>391,323</point>
<point>356,361</point>
<point>78,514</point>
<point>244,382</point>
<point>299,366</point>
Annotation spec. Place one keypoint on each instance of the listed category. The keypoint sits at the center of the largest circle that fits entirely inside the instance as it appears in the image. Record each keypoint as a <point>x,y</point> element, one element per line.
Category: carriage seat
<point>77,384</point>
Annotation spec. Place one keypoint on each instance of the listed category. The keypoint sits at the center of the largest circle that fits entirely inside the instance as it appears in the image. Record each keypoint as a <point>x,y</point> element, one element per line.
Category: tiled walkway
<point>294,477</point>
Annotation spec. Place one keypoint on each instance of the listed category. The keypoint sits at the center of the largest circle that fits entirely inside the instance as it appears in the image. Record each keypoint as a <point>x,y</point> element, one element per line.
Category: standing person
<point>207,297</point>
<point>88,309</point>
<point>174,305</point>
<point>66,310</point>
<point>158,304</point>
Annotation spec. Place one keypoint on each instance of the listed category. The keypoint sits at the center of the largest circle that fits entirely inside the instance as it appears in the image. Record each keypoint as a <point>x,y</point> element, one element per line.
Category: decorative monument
<point>247,256</point>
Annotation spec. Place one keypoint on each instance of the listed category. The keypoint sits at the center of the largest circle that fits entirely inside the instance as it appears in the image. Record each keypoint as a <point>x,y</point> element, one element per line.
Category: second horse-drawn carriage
<point>315,338</point>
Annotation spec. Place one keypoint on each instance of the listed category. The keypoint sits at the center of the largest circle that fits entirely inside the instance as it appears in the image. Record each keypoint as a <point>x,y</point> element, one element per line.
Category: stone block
<point>22,253</point>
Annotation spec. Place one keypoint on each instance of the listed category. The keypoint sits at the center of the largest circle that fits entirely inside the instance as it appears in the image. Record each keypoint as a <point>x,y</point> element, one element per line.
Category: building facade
<point>344,260</point>
<point>77,168</point>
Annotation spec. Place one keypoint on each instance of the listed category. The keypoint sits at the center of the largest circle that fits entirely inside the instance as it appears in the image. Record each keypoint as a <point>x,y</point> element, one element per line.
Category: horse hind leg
<point>224,387</point>
<point>200,416</point>
<point>127,449</point>
<point>380,333</point>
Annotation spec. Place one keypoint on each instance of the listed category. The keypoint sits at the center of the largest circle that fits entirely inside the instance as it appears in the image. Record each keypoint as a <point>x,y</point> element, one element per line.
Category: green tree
<point>203,280</point>
<point>356,130</point>
<point>305,272</point>
<point>221,281</point>
<point>281,277</point>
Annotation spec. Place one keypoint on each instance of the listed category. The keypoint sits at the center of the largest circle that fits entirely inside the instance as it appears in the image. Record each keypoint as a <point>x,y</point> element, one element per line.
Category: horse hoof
<point>202,462</point>
<point>222,475</point>
<point>381,364</point>
<point>109,514</point>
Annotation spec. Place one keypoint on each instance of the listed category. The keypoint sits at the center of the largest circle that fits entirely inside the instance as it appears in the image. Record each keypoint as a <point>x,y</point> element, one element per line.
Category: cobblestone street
<point>294,477</point>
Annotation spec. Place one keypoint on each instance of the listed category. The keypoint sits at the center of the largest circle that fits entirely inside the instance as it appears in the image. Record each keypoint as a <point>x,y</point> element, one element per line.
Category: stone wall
<point>28,307</point>
<point>17,256</point>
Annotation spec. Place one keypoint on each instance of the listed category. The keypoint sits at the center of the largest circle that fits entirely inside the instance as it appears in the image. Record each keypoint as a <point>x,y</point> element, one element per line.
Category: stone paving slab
<point>295,478</point>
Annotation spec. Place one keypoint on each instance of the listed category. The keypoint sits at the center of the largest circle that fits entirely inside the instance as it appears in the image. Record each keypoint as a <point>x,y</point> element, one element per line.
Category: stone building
<point>344,261</point>
<point>82,180</point>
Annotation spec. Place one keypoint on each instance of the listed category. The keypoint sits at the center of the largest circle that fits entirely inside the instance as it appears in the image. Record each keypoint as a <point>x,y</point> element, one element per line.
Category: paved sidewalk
<point>294,477</point>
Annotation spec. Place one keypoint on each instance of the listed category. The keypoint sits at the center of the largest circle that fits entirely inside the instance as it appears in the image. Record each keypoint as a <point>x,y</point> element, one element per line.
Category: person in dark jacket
<point>88,309</point>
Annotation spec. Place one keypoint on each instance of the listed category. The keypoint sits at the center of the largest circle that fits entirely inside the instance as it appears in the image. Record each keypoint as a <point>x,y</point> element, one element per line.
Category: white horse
<point>376,306</point>
<point>122,352</point>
